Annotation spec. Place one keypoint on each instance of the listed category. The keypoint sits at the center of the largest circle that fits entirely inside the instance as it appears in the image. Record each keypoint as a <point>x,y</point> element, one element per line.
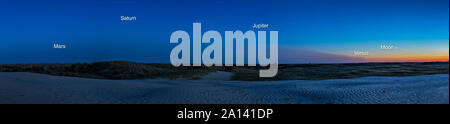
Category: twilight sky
<point>310,31</point>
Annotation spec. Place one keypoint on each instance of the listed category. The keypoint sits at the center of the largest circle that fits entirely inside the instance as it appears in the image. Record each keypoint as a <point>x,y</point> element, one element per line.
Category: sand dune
<point>21,87</point>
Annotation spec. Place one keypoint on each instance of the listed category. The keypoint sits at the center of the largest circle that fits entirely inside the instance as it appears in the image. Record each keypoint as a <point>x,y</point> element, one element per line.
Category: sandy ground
<point>37,88</point>
<point>219,75</point>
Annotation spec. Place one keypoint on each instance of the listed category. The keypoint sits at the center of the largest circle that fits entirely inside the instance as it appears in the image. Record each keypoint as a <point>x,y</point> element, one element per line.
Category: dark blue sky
<point>328,29</point>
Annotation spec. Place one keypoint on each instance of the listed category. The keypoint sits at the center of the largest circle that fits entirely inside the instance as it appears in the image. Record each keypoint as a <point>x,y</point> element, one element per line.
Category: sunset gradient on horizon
<point>310,31</point>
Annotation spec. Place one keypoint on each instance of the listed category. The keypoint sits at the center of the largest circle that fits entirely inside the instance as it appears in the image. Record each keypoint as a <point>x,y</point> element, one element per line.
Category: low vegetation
<point>120,70</point>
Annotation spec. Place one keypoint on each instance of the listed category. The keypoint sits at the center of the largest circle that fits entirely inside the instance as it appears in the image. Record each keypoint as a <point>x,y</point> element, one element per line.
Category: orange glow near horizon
<point>409,58</point>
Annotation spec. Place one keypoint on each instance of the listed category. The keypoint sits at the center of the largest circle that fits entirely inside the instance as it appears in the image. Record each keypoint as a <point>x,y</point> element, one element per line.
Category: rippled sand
<point>37,88</point>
